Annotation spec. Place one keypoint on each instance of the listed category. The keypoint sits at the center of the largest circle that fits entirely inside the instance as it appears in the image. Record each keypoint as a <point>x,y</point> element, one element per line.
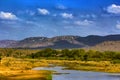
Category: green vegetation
<point>65,54</point>
<point>17,53</point>
<point>49,77</point>
<point>79,59</point>
<point>77,54</point>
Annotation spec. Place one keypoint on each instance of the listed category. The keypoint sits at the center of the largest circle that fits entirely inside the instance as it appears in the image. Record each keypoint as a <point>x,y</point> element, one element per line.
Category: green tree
<point>85,57</point>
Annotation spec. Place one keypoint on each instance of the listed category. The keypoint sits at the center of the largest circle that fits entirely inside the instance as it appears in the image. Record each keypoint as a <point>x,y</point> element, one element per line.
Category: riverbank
<point>20,69</point>
<point>101,66</point>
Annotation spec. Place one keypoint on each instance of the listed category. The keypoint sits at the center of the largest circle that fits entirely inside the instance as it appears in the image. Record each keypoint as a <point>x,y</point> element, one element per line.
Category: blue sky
<point>30,18</point>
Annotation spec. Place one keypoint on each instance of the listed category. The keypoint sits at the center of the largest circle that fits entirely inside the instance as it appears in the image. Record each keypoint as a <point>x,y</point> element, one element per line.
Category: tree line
<point>67,54</point>
<point>76,54</point>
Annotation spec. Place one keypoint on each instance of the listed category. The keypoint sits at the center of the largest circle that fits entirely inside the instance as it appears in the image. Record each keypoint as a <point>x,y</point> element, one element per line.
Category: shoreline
<point>102,66</point>
<point>12,68</point>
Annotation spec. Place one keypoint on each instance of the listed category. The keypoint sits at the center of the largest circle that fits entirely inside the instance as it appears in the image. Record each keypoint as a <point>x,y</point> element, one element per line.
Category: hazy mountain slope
<point>6,43</point>
<point>61,42</point>
<point>55,42</point>
<point>107,46</point>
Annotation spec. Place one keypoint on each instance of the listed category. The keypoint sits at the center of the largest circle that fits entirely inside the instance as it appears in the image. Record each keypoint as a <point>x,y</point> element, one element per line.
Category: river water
<point>62,74</point>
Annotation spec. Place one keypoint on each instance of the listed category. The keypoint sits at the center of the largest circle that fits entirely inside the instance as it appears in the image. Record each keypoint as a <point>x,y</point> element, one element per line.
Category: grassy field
<point>20,69</point>
<point>101,66</point>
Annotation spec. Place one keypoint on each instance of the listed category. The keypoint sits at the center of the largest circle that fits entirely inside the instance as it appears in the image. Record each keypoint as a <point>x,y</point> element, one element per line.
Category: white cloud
<point>8,16</point>
<point>84,23</point>
<point>61,7</point>
<point>43,11</point>
<point>88,16</point>
<point>118,25</point>
<point>34,23</point>
<point>67,15</point>
<point>114,9</point>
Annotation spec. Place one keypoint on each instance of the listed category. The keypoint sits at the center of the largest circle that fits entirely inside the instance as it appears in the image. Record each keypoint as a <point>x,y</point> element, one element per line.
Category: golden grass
<point>18,69</point>
<point>24,75</point>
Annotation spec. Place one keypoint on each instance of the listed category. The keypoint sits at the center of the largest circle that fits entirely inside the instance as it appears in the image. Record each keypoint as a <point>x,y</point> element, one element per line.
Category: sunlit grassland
<point>20,69</point>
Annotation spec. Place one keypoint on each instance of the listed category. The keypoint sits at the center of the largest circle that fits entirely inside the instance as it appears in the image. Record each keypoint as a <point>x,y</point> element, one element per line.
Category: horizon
<point>20,19</point>
<point>60,36</point>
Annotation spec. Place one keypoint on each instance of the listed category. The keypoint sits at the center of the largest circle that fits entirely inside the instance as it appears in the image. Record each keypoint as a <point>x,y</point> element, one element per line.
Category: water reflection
<point>61,74</point>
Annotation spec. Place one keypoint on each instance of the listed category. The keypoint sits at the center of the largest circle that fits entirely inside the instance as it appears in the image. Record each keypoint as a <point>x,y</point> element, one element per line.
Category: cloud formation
<point>88,16</point>
<point>67,15</point>
<point>115,9</point>
<point>8,16</point>
<point>118,25</point>
<point>84,23</point>
<point>43,11</point>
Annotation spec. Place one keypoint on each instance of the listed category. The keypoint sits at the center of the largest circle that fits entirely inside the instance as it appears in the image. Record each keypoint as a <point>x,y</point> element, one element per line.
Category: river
<point>62,74</point>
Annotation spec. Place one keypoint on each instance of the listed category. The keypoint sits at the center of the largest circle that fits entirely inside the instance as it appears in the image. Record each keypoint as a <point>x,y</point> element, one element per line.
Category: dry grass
<point>17,69</point>
<point>24,75</point>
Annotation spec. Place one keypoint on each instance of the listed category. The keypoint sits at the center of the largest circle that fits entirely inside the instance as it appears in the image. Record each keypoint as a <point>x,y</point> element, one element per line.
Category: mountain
<point>6,43</point>
<point>107,46</point>
<point>60,42</point>
<point>44,42</point>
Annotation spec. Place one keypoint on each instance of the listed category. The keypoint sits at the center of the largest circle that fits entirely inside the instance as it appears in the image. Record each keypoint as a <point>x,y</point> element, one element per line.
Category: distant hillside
<point>7,43</point>
<point>58,42</point>
<point>107,46</point>
<point>61,42</point>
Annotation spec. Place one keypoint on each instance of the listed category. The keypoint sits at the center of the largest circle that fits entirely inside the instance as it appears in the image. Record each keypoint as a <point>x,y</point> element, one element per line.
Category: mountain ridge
<point>59,42</point>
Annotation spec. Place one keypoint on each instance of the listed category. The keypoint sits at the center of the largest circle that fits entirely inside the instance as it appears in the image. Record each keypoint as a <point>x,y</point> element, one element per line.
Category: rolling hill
<point>60,42</point>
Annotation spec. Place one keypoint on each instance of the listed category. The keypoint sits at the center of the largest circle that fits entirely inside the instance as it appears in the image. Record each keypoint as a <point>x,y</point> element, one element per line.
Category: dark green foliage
<point>0,59</point>
<point>77,54</point>
<point>115,61</point>
<point>65,54</point>
<point>85,57</point>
